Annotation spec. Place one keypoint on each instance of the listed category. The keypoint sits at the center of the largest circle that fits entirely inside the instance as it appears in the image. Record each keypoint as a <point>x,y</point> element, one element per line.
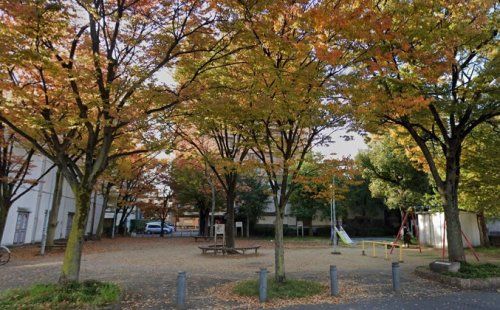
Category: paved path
<point>147,268</point>
<point>462,300</point>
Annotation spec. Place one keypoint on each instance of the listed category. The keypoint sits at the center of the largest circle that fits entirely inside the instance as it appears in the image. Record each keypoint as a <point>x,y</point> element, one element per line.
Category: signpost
<point>240,226</point>
<point>300,225</point>
<point>220,230</point>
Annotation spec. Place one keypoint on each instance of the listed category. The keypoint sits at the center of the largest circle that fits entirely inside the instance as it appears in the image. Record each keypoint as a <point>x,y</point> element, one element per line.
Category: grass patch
<point>54,296</point>
<point>492,250</point>
<point>289,289</point>
<point>476,271</point>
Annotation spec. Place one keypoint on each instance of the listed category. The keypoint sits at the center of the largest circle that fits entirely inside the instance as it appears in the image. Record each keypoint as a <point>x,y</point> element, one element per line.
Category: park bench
<point>206,238</point>
<point>224,250</point>
<point>249,248</point>
<point>58,244</point>
<point>215,249</point>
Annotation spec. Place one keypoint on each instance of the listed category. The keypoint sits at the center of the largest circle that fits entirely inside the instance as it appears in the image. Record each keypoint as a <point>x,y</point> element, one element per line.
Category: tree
<point>287,106</point>
<point>392,175</point>
<point>431,68</point>
<point>134,182</point>
<point>252,196</point>
<point>15,172</point>
<point>54,210</point>
<point>481,176</point>
<point>210,125</point>
<point>313,195</point>
<point>190,183</point>
<point>78,74</point>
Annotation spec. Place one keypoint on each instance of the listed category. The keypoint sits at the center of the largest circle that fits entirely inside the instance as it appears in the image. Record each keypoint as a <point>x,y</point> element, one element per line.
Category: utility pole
<point>334,219</point>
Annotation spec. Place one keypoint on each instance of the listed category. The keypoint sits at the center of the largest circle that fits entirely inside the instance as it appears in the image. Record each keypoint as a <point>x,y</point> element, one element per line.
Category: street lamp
<point>333,219</point>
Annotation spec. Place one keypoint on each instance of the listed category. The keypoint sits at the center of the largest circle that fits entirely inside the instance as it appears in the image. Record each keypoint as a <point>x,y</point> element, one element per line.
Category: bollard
<point>181,289</point>
<point>334,284</point>
<point>395,277</point>
<point>263,285</point>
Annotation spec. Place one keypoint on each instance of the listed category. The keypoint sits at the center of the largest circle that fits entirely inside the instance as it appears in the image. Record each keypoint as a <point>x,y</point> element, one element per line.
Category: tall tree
<point>288,107</point>
<point>252,196</point>
<point>392,175</point>
<point>210,126</point>
<point>81,73</point>
<point>317,182</point>
<point>431,69</point>
<point>190,184</point>
<point>481,176</point>
<point>134,182</point>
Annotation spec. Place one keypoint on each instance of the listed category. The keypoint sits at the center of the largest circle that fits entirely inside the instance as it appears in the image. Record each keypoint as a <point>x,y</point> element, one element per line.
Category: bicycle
<point>4,255</point>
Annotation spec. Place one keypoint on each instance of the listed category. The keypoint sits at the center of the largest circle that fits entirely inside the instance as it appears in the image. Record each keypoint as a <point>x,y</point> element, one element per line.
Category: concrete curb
<point>468,284</point>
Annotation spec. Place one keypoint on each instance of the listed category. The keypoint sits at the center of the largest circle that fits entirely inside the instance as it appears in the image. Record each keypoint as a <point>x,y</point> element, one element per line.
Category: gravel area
<point>147,268</point>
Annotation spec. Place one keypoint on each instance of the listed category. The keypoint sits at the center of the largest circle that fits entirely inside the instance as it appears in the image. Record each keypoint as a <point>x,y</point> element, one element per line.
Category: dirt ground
<point>146,268</point>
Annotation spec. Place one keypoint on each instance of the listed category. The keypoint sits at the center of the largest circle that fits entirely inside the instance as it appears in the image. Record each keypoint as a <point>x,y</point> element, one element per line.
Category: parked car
<point>155,228</point>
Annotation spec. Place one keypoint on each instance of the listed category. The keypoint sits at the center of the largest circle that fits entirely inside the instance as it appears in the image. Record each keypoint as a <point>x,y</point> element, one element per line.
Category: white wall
<point>430,228</point>
<point>38,201</point>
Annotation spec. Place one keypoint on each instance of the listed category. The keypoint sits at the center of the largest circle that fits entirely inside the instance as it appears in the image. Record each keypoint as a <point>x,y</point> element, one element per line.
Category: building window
<point>21,227</point>
<point>69,224</point>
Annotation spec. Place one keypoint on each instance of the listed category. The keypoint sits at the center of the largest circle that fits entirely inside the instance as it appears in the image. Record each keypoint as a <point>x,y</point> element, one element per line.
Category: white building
<point>29,214</point>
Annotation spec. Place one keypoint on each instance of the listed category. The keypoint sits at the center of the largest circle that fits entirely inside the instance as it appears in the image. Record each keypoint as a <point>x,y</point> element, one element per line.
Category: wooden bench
<point>255,248</point>
<point>206,238</point>
<point>215,249</point>
<point>224,250</point>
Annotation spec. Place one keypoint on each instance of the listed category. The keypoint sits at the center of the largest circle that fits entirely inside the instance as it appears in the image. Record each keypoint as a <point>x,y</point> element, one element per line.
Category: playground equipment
<point>386,246</point>
<point>344,237</point>
<point>469,244</point>
<point>408,213</point>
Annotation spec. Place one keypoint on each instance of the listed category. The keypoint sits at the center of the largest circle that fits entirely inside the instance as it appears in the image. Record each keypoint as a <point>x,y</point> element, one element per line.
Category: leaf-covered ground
<point>146,268</point>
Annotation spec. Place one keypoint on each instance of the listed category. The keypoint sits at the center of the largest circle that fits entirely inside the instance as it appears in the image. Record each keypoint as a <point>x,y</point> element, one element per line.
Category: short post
<point>363,247</point>
<point>334,284</point>
<point>395,277</point>
<point>263,285</point>
<point>181,289</point>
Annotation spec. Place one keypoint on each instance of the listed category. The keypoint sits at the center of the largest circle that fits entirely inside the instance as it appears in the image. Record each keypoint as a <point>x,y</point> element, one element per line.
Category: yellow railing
<point>387,246</point>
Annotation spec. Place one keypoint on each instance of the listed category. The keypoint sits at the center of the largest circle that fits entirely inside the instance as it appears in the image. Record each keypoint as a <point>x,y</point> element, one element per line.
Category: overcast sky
<point>340,147</point>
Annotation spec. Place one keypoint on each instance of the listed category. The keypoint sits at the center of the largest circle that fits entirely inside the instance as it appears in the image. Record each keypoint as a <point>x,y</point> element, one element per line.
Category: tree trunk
<point>248,226</point>
<point>207,220</point>
<point>310,230</point>
<point>162,233</point>
<point>4,211</point>
<point>230,219</point>
<point>485,240</point>
<point>100,225</point>
<point>105,198</point>
<point>279,248</point>
<point>202,220</point>
<point>54,210</point>
<point>73,254</point>
<point>212,212</point>
<point>449,196</point>
<point>94,205</point>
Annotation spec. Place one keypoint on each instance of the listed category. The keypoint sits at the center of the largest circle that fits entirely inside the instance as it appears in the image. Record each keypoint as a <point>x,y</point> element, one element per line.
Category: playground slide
<point>344,237</point>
